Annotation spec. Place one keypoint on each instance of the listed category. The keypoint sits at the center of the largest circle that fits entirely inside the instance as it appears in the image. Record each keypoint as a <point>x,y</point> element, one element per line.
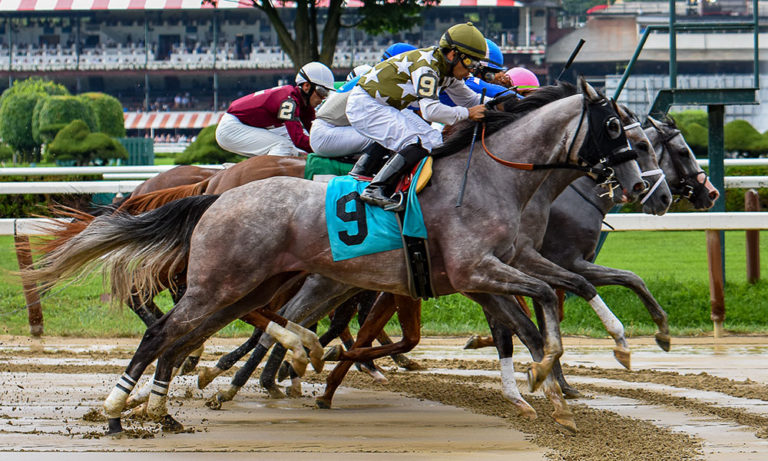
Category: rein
<point>643,174</point>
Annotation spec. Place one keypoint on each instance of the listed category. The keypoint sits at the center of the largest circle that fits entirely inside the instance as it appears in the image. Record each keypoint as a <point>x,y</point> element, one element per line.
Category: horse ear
<point>655,123</point>
<point>587,90</point>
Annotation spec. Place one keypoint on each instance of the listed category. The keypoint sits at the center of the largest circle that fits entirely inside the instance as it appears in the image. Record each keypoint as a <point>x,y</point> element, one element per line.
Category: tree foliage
<point>303,43</point>
<point>75,142</point>
<point>34,85</point>
<point>206,150</point>
<point>740,136</point>
<point>108,113</point>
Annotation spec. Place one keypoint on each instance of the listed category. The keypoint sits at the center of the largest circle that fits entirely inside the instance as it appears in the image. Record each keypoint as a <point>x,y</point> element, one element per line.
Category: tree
<point>56,112</point>
<point>304,45</point>
<point>108,112</point>
<point>741,137</point>
<point>75,142</point>
<point>206,150</point>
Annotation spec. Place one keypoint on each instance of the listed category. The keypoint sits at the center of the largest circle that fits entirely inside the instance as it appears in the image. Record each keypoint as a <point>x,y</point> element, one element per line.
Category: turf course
<point>673,265</point>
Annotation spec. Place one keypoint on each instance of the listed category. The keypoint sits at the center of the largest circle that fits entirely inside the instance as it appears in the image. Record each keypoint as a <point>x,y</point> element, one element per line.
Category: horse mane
<point>514,109</point>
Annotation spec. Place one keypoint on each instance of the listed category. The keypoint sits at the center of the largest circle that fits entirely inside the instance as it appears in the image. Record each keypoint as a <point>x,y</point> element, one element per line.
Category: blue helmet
<point>495,58</point>
<point>398,48</point>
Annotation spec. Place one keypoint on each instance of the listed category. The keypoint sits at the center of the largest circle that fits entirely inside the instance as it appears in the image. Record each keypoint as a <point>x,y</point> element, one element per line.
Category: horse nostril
<point>714,194</point>
<point>640,187</point>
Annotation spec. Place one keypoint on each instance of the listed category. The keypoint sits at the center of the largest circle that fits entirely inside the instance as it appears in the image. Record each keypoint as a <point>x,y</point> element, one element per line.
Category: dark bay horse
<point>255,239</point>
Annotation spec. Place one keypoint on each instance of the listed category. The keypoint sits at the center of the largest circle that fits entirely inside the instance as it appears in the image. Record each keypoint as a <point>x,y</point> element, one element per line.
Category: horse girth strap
<point>529,166</point>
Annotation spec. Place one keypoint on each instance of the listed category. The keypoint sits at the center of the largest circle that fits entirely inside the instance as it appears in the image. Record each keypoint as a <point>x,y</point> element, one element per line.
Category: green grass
<point>673,265</point>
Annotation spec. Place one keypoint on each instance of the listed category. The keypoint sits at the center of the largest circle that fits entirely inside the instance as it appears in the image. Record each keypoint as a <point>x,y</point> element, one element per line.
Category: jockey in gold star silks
<point>415,79</point>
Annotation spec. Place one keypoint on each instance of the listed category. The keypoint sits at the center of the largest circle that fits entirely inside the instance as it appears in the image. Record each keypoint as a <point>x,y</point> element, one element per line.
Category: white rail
<point>686,221</point>
<point>90,170</point>
<point>72,187</point>
<point>737,162</point>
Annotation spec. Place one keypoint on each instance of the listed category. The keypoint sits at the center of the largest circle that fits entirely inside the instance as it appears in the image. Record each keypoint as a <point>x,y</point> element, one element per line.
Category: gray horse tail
<point>140,253</point>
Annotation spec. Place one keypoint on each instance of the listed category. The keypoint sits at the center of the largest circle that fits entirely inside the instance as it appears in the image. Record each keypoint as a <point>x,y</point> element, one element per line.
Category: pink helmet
<point>523,78</point>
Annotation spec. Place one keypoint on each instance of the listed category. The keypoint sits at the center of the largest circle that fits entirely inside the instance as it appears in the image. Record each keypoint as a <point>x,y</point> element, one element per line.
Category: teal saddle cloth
<point>357,229</point>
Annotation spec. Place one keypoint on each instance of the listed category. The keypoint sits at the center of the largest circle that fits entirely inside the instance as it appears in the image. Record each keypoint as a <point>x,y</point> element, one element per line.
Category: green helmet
<point>466,39</point>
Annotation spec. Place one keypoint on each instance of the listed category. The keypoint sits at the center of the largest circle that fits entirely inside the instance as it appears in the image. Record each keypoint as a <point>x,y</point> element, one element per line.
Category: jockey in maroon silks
<point>276,121</point>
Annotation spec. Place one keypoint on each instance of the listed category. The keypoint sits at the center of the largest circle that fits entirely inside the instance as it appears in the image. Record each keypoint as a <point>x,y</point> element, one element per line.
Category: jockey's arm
<point>432,110</point>
<point>297,134</point>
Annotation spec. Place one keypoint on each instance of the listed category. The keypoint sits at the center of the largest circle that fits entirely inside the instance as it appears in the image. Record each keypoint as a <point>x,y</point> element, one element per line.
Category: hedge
<point>206,150</point>
<point>57,112</point>
<point>108,112</point>
<point>76,142</point>
<point>16,122</point>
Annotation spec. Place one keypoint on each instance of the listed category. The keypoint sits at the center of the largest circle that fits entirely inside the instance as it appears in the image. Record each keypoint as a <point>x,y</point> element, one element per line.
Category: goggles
<point>322,91</point>
<point>469,63</point>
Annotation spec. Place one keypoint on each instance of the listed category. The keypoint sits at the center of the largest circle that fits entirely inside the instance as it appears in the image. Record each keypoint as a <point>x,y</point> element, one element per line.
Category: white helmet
<point>359,70</point>
<point>316,73</point>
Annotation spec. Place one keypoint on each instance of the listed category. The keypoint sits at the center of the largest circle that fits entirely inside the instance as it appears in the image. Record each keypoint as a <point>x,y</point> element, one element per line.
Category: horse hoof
<point>206,375</point>
<point>189,365</point>
<point>139,411</point>
<point>571,392</point>
<point>114,426</point>
<point>472,342</point>
<point>322,403</point>
<point>524,409</point>
<point>316,359</point>
<point>622,356</point>
<point>406,363</point>
<point>284,371</point>
<point>299,365</point>
<point>565,420</point>
<point>536,376</point>
<point>332,353</point>
<point>275,393</point>
<point>663,341</point>
<point>293,391</point>
<point>377,376</point>
<point>169,424</point>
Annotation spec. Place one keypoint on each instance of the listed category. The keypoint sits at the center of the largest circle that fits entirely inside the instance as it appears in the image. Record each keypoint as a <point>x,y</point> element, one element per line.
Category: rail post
<point>752,203</point>
<point>34,309</point>
<point>716,285</point>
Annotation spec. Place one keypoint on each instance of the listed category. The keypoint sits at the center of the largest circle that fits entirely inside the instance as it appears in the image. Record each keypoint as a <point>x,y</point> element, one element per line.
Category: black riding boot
<point>370,161</point>
<point>380,190</point>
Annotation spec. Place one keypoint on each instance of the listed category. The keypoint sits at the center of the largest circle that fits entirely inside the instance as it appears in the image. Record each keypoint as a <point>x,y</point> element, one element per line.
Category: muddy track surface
<point>713,407</point>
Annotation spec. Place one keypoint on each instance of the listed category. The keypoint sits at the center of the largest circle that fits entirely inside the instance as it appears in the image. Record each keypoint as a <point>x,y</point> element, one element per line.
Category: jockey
<point>276,121</point>
<point>415,78</point>
<point>358,71</point>
<point>332,135</point>
<point>489,76</point>
<point>523,79</point>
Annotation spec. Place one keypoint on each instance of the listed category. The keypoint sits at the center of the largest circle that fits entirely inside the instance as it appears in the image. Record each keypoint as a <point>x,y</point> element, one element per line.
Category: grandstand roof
<point>122,5</point>
<point>170,120</point>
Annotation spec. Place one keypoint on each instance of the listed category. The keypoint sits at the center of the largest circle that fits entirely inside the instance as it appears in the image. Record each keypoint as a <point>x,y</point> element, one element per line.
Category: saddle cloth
<point>357,229</point>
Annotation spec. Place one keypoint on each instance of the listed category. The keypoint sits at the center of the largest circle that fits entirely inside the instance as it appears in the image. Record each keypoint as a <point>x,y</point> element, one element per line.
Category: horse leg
<point>241,377</point>
<point>536,265</point>
<point>206,375</point>
<point>383,338</point>
<point>147,310</point>
<point>382,311</point>
<point>601,276</point>
<point>267,379</point>
<point>192,311</point>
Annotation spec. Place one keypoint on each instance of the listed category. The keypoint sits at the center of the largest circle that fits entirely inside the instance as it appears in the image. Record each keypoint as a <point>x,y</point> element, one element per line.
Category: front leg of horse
<point>601,276</point>
<point>494,277</point>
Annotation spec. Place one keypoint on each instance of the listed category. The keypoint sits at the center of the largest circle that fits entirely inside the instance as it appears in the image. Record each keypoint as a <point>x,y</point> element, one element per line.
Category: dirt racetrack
<point>704,400</point>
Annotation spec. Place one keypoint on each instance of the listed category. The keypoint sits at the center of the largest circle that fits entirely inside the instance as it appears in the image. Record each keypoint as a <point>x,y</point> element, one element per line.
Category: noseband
<point>643,174</point>
<point>688,184</point>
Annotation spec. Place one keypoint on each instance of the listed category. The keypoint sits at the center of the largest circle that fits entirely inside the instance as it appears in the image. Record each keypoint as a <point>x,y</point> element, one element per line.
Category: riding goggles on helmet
<point>322,91</point>
<point>468,62</point>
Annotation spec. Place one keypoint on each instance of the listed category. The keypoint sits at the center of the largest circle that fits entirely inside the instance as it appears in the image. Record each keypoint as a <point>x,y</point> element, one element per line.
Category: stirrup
<point>399,206</point>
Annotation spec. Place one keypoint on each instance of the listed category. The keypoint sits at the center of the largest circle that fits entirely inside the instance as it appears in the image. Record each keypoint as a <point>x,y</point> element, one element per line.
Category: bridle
<point>589,156</point>
<point>644,174</point>
<point>688,184</point>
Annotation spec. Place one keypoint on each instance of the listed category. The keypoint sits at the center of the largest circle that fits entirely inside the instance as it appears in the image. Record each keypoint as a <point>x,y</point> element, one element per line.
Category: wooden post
<point>35,310</point>
<point>752,203</point>
<point>716,289</point>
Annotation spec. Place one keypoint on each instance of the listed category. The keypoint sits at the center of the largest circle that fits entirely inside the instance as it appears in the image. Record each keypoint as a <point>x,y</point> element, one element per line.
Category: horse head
<point>658,198</point>
<point>684,175</point>
<point>605,150</point>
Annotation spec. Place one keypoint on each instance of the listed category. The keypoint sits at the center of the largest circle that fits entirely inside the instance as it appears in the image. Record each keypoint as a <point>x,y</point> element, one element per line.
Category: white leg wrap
<point>286,338</point>
<point>612,324</point>
<point>307,337</point>
<point>158,398</point>
<point>508,382</point>
<point>115,402</point>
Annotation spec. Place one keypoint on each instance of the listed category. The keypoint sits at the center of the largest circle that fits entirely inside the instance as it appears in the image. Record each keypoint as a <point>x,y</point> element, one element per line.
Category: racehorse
<point>255,239</point>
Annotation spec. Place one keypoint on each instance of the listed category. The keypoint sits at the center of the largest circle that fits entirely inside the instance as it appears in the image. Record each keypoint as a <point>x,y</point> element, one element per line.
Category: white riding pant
<point>388,126</point>
<point>329,140</point>
<point>250,141</point>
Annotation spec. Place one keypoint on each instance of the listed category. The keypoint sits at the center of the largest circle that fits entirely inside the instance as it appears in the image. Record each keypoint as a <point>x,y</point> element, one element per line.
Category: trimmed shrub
<point>6,152</point>
<point>741,137</point>
<point>34,85</point>
<point>75,142</point>
<point>687,117</point>
<point>58,111</point>
<point>36,119</point>
<point>697,137</point>
<point>205,149</point>
<point>108,113</point>
<point>16,122</point>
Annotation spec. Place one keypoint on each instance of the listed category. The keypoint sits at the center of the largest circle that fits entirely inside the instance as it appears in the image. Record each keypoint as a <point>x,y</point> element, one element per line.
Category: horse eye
<point>613,127</point>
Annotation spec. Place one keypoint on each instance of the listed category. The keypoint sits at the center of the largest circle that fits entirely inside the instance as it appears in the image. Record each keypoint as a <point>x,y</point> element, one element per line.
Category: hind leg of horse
<point>192,311</point>
<point>382,311</point>
<point>601,276</point>
<point>206,375</point>
<point>147,310</point>
<point>240,378</point>
<point>536,265</point>
<point>400,359</point>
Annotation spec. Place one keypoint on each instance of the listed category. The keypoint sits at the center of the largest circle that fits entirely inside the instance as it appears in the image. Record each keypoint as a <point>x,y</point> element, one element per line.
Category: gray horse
<point>256,239</point>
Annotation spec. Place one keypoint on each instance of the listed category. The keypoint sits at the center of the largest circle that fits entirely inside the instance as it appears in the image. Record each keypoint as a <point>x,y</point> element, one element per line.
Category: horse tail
<point>57,233</point>
<point>156,199</point>
<point>141,253</point>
